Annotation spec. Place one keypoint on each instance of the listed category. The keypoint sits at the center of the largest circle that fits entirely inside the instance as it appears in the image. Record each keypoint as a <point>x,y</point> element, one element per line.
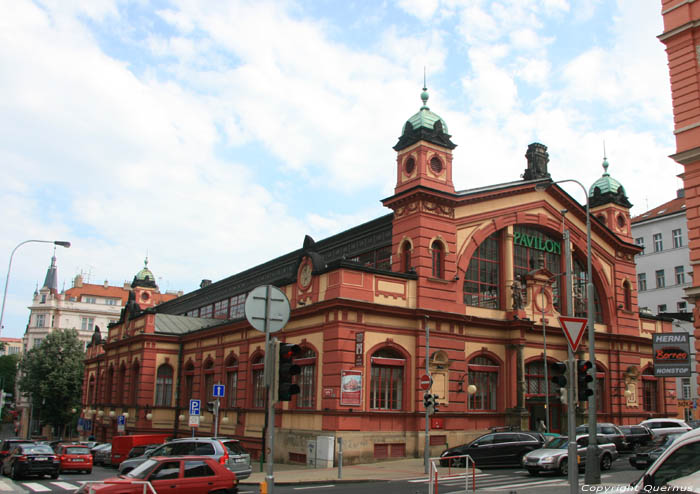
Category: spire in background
<point>51,280</point>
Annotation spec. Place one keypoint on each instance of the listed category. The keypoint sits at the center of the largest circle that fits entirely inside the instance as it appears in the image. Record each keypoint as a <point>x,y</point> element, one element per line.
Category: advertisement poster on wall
<point>351,388</point>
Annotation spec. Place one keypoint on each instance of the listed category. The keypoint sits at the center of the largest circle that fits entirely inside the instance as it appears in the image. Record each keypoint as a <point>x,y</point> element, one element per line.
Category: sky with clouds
<point>212,136</point>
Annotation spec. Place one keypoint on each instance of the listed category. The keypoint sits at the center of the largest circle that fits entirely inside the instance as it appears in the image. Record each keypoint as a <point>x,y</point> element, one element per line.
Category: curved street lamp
<point>62,243</point>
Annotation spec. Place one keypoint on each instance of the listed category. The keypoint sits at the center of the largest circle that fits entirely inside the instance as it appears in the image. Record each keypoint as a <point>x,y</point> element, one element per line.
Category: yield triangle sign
<point>573,329</point>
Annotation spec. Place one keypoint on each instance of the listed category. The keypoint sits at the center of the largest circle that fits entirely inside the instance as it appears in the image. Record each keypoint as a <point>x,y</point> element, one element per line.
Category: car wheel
<point>605,462</point>
<point>564,467</point>
<point>15,474</point>
<point>88,471</point>
<point>54,475</point>
<point>533,473</point>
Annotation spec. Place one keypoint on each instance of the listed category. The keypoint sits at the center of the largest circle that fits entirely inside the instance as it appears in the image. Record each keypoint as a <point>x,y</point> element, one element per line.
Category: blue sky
<point>214,135</point>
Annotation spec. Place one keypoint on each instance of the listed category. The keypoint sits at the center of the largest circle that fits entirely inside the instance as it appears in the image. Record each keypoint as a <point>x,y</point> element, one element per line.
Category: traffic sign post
<point>425,382</point>
<point>195,407</point>
<point>218,391</point>
<point>121,423</point>
<point>267,309</point>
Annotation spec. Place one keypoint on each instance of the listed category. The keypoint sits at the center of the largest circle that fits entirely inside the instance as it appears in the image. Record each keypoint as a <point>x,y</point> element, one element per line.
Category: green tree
<point>52,376</point>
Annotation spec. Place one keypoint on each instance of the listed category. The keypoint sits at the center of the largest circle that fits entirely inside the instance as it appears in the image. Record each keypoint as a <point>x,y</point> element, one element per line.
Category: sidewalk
<point>403,469</point>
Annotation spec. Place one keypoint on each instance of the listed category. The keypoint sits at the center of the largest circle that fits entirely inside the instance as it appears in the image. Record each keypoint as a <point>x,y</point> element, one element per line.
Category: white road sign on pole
<point>574,328</point>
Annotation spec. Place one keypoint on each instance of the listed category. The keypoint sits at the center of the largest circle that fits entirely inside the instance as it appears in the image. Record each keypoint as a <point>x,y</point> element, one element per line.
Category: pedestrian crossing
<point>504,481</point>
<point>54,486</point>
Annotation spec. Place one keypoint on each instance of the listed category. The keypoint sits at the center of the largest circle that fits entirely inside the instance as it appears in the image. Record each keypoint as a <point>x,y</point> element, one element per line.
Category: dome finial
<point>424,94</point>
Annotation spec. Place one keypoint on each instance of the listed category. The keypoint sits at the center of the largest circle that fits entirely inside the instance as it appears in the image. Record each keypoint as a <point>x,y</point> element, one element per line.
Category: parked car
<point>141,450</point>
<point>8,444</point>
<point>494,449</point>
<point>31,459</point>
<point>694,423</point>
<point>611,431</point>
<point>554,457</point>
<point>648,454</point>
<point>677,467</point>
<point>103,455</point>
<point>74,457</point>
<point>186,474</point>
<point>636,436</point>
<point>665,426</point>
<point>228,452</point>
<point>121,445</point>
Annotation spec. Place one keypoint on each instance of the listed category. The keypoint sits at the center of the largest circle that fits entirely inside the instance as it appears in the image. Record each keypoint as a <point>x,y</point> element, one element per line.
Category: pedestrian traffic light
<point>429,403</point>
<point>562,396</point>
<point>286,370</point>
<point>559,374</point>
<point>213,406</point>
<point>435,404</point>
<point>584,379</point>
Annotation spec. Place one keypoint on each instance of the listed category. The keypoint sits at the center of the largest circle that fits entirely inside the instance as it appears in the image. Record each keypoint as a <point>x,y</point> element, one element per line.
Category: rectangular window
<point>221,309</point>
<point>206,311</point>
<point>639,241</point>
<point>660,279</point>
<point>681,306</point>
<point>87,323</point>
<point>43,298</point>
<point>37,342</point>
<point>232,391</point>
<point>259,388</point>
<point>237,306</point>
<point>305,398</point>
<point>658,242</point>
<point>40,321</point>
<point>642,282</point>
<point>677,238</point>
<point>685,394</point>
<point>661,308</point>
<point>680,276</point>
<point>89,300</point>
<point>112,301</point>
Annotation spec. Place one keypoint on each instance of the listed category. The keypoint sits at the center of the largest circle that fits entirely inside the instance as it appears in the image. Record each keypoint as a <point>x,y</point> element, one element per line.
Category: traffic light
<point>429,403</point>
<point>286,370</point>
<point>584,379</point>
<point>562,396</point>
<point>559,374</point>
<point>435,404</point>
<point>213,406</point>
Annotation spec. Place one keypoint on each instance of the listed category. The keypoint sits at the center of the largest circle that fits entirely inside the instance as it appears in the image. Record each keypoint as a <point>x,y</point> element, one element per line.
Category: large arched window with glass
<point>258,375</point>
<point>231,381</point>
<point>482,277</point>
<point>306,378</point>
<point>650,391</point>
<point>483,373</point>
<point>580,295</point>
<point>531,247</point>
<point>386,380</point>
<point>164,386</point>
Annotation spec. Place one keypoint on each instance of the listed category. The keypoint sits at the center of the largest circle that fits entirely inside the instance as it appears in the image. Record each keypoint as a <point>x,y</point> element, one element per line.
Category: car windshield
<point>77,451</point>
<point>558,443</point>
<point>37,449</point>
<point>142,471</point>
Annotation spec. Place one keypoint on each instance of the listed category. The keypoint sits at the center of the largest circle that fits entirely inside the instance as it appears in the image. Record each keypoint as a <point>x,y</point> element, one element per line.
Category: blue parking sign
<point>195,407</point>
<point>218,391</point>
<point>121,420</point>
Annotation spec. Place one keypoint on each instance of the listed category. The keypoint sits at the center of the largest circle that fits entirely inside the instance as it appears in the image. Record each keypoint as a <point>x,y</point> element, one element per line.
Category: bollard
<point>340,458</point>
<point>263,487</point>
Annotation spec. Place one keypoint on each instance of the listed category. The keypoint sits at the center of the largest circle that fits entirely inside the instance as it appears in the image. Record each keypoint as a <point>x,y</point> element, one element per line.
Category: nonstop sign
<point>671,354</point>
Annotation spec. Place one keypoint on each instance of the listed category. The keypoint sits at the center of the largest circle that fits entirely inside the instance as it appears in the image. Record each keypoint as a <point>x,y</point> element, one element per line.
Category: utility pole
<point>426,448</point>
<point>571,429</point>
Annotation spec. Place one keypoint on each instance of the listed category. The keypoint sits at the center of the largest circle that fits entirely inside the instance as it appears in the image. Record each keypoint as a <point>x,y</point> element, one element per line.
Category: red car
<point>171,475</point>
<point>74,457</point>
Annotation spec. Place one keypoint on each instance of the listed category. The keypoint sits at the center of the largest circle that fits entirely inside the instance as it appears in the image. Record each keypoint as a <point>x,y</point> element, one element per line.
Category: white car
<point>554,456</point>
<point>663,426</point>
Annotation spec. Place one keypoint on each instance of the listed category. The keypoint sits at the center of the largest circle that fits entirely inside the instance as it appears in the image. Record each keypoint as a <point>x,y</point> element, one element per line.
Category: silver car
<point>554,457</point>
<point>228,452</point>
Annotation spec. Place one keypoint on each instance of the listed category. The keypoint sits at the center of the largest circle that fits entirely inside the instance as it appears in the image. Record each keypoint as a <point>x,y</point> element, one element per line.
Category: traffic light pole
<point>426,447</point>
<point>270,373</point>
<point>571,422</point>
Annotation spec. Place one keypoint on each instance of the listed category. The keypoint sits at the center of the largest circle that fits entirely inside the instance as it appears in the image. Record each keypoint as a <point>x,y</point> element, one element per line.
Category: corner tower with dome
<point>609,203</point>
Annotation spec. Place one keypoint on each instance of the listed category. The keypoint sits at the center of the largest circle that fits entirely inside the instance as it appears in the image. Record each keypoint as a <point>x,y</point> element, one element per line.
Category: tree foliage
<point>8,372</point>
<point>52,376</point>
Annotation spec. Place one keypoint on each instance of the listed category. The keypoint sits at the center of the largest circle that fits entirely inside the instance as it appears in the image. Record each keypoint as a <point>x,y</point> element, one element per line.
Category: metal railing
<point>434,478</point>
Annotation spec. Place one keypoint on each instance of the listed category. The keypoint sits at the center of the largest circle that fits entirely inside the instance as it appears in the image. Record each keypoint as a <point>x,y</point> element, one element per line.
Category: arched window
<point>258,369</point>
<point>164,386</point>
<point>580,273</point>
<point>531,247</point>
<point>307,378</point>
<point>627,289</point>
<point>535,383</point>
<point>386,380</point>
<point>482,277</point>
<point>406,257</point>
<point>122,390</point>
<point>208,393</point>
<point>134,387</point>
<point>189,384</point>
<point>91,391</point>
<point>231,381</point>
<point>650,390</point>
<point>108,385</point>
<point>438,253</point>
<point>483,373</point>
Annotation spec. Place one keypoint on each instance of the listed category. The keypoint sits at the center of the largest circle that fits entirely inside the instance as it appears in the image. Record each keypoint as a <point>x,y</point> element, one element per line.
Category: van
<point>121,445</point>
<point>677,467</point>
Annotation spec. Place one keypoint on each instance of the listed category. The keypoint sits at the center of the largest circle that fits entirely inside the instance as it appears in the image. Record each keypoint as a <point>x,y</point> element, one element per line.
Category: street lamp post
<point>62,243</point>
<point>593,468</point>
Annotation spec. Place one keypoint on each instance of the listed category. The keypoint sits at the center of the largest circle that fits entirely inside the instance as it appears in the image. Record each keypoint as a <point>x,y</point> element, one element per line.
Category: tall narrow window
<point>134,386</point>
<point>258,368</point>
<point>306,379</point>
<point>208,380</point>
<point>658,242</point>
<point>438,259</point>
<point>164,386</point>
<point>627,293</point>
<point>406,253</point>
<point>680,275</point>
<point>677,238</point>
<point>109,382</point>
<point>189,384</point>
<point>642,282</point>
<point>386,380</point>
<point>581,295</point>
<point>650,391</point>
<point>231,381</point>
<point>482,277</point>
<point>639,241</point>
<point>122,388</point>
<point>483,373</point>
<point>660,279</point>
<point>91,391</point>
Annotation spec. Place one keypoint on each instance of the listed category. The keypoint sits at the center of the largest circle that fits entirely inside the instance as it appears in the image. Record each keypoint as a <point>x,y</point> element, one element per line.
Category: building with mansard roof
<point>460,284</point>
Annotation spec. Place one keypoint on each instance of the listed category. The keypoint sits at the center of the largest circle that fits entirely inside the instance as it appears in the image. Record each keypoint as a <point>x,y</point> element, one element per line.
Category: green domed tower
<point>609,203</point>
<point>144,286</point>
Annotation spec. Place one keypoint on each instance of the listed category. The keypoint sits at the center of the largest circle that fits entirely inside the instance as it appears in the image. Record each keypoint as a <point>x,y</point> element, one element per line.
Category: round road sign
<point>267,308</point>
<point>425,382</point>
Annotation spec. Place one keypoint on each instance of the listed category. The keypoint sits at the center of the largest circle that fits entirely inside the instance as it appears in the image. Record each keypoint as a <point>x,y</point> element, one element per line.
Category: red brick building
<point>478,268</point>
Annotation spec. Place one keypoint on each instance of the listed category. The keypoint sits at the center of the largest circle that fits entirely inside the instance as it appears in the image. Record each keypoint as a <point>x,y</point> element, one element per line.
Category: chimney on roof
<point>204,283</point>
<point>106,285</point>
<point>680,193</point>
<point>78,281</point>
